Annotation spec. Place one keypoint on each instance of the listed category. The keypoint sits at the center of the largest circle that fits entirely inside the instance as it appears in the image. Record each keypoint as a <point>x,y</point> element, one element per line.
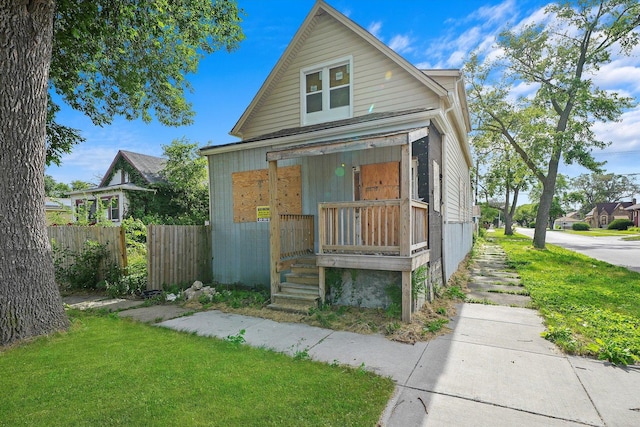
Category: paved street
<point>612,249</point>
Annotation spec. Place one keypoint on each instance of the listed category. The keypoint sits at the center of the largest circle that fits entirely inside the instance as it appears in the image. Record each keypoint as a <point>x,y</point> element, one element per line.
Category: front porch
<point>384,235</point>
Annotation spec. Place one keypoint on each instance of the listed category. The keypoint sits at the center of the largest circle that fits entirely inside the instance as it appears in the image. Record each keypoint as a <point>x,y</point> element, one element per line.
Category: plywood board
<point>251,189</point>
<point>380,181</point>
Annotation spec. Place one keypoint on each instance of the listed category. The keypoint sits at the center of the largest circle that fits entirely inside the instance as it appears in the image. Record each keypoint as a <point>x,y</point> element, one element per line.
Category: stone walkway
<point>493,282</point>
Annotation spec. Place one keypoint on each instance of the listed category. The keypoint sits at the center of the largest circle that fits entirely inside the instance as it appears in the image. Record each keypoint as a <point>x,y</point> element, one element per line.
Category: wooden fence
<point>178,254</point>
<point>72,238</point>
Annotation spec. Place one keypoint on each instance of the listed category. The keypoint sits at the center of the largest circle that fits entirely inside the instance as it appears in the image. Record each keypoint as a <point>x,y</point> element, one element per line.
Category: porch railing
<point>296,235</point>
<point>369,227</point>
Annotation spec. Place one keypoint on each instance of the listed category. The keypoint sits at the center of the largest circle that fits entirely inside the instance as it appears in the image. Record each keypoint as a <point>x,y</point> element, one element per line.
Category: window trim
<point>327,114</point>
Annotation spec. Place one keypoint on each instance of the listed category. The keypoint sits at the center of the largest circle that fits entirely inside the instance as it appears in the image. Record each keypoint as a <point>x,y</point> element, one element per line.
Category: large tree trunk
<point>546,199</point>
<point>30,303</point>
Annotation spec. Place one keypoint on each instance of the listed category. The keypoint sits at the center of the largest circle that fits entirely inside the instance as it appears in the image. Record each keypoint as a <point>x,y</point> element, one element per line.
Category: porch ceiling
<point>387,139</point>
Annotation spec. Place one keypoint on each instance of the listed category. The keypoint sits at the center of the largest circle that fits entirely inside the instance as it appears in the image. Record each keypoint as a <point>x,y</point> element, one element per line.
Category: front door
<point>379,225</point>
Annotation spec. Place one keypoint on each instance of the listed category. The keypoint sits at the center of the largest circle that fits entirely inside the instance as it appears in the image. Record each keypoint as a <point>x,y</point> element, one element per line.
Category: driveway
<point>611,249</point>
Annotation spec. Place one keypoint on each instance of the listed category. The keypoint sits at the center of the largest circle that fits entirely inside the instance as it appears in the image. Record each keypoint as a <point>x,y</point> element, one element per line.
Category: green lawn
<point>590,307</point>
<point>109,371</point>
<point>599,232</point>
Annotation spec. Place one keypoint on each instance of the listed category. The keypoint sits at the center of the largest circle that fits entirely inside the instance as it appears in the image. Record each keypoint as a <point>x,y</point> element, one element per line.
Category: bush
<point>620,224</point>
<point>85,269</point>
<point>580,226</point>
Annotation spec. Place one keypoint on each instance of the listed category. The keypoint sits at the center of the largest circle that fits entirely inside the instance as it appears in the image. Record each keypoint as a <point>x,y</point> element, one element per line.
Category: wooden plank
<point>274,228</point>
<point>338,146</point>
<point>251,189</point>
<point>365,262</point>
<point>406,296</point>
<point>321,284</point>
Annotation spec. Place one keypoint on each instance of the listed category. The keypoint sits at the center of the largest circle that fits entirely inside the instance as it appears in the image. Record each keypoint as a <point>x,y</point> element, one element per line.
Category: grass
<point>590,307</point>
<point>601,232</point>
<point>109,371</point>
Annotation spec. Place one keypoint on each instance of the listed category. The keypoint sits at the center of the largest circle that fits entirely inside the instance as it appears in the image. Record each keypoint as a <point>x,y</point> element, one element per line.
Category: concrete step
<point>303,279</point>
<point>293,303</point>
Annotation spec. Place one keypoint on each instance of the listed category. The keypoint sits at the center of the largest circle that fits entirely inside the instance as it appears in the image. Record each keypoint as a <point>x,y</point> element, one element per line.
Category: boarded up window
<point>380,181</point>
<point>251,189</point>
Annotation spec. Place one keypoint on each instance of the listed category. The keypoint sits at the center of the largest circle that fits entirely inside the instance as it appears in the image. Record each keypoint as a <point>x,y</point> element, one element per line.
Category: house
<point>567,221</point>
<point>57,210</point>
<point>129,175</point>
<point>351,176</point>
<point>634,211</point>
<point>604,213</point>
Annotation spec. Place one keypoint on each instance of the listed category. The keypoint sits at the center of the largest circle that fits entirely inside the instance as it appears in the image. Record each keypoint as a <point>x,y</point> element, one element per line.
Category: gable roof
<point>611,206</point>
<point>149,167</point>
<point>296,44</point>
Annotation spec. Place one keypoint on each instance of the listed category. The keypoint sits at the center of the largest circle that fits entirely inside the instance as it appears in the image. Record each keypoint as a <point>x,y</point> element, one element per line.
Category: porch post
<point>405,225</point>
<point>274,228</point>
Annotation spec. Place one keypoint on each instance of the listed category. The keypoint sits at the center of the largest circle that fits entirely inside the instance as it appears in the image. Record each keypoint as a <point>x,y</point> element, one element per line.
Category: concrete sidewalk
<point>493,370</point>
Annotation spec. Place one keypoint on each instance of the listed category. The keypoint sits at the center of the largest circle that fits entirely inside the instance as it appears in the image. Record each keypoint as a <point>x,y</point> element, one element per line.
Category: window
<point>114,209</point>
<point>326,92</point>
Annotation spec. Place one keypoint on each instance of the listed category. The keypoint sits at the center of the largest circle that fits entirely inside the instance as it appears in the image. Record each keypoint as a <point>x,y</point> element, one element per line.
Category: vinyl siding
<point>378,83</point>
<point>241,250</point>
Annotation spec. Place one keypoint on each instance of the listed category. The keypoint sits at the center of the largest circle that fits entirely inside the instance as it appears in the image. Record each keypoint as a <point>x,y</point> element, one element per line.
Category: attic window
<point>326,91</point>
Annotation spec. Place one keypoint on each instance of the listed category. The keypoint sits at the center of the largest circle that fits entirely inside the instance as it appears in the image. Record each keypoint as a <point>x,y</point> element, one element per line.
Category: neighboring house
<point>604,213</point>
<point>567,221</point>
<point>634,211</point>
<point>129,174</point>
<point>352,155</point>
<point>58,210</point>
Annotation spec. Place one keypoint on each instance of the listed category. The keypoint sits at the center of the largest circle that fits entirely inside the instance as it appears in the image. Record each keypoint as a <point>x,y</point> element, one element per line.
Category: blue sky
<point>428,33</point>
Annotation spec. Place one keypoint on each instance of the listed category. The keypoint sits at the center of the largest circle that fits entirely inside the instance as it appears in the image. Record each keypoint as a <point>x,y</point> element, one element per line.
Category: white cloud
<point>374,28</point>
<point>401,43</point>
<point>623,135</point>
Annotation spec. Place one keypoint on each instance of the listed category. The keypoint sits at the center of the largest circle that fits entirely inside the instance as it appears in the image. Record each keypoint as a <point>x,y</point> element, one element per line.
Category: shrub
<point>580,226</point>
<point>84,269</point>
<point>620,224</point>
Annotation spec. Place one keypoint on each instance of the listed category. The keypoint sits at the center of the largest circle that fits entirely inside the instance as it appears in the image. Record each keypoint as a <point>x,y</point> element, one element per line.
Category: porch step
<point>299,289</point>
<point>303,278</point>
<point>293,302</point>
<point>304,269</point>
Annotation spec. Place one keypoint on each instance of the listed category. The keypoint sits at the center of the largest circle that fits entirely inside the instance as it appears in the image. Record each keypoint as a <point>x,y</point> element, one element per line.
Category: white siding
<point>379,84</point>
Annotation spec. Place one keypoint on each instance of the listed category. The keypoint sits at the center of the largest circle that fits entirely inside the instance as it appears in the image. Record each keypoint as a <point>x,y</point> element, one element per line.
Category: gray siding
<point>457,241</point>
<point>241,250</point>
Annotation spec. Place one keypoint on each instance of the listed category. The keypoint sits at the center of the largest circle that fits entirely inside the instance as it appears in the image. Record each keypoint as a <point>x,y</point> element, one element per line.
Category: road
<point>611,249</point>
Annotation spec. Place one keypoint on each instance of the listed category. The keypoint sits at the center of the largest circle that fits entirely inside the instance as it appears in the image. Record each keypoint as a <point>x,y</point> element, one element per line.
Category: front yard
<point>590,307</point>
<point>109,371</point>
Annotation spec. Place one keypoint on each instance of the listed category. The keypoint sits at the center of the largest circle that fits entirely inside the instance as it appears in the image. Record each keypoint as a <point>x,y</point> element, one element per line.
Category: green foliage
<point>580,226</point>
<point>556,58</point>
<point>85,269</point>
<point>333,283</point>
<point>602,188</point>
<point>394,310</point>
<point>55,189</point>
<point>455,293</point>
<point>237,339</point>
<point>419,278</point>
<point>619,224</point>
<point>590,307</point>
<point>236,296</point>
<point>615,353</point>
<point>435,325</point>
<point>302,354</point>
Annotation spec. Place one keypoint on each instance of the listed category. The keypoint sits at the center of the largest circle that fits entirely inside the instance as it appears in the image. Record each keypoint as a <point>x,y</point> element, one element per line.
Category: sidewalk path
<point>494,369</point>
<point>493,282</point>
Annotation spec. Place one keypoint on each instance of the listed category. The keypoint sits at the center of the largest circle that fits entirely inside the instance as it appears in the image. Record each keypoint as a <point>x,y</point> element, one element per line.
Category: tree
<point>55,189</point>
<point>556,61</point>
<point>103,58</point>
<point>603,188</point>
<point>526,214</point>
<point>506,173</point>
<point>186,174</point>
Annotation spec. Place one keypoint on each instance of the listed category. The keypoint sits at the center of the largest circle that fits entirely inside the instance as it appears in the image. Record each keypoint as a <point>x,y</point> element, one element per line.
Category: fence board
<point>74,237</point>
<point>178,254</point>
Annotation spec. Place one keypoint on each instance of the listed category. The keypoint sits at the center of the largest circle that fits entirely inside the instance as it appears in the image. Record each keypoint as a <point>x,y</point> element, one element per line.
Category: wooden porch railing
<point>420,232</point>
<point>296,235</point>
<point>369,227</point>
